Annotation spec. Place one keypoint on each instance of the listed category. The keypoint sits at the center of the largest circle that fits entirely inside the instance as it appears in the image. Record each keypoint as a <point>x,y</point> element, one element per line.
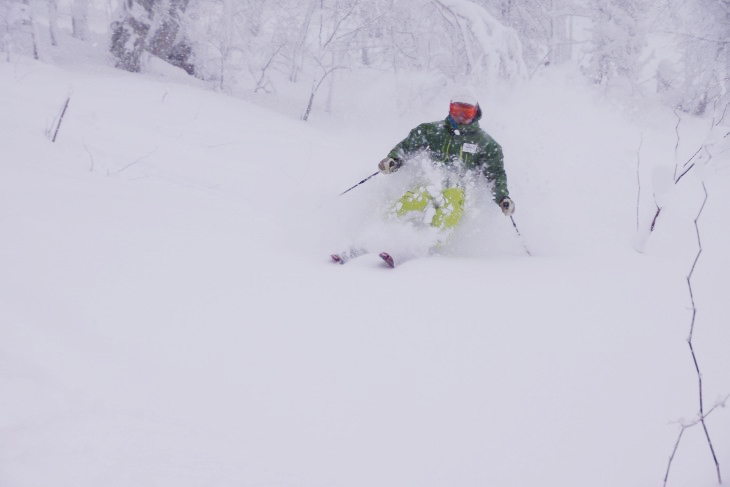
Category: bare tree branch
<point>677,179</point>
<point>674,452</point>
<point>676,145</point>
<point>684,427</point>
<point>60,119</point>
<point>91,156</point>
<point>638,178</point>
<point>124,168</point>
<point>702,415</point>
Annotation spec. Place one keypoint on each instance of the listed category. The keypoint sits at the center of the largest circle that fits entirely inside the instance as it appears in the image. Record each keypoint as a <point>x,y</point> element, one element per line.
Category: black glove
<point>507,206</point>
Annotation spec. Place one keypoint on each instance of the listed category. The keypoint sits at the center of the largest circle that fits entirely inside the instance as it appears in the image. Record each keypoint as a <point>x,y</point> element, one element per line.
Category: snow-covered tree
<point>544,27</point>
<point>699,82</point>
<point>485,47</point>
<point>334,27</point>
<point>240,43</point>
<point>80,19</point>
<point>17,28</point>
<point>618,39</point>
<point>128,34</point>
<point>257,45</point>
<point>153,26</point>
<point>53,21</point>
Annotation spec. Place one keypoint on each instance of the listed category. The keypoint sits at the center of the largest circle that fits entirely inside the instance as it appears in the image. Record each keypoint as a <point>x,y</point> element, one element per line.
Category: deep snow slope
<point>168,315</point>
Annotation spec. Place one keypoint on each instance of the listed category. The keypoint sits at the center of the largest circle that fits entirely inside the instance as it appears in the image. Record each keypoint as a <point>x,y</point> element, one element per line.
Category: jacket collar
<point>457,129</point>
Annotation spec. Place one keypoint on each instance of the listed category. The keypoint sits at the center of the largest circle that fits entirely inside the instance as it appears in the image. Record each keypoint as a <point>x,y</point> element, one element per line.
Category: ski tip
<point>387,259</point>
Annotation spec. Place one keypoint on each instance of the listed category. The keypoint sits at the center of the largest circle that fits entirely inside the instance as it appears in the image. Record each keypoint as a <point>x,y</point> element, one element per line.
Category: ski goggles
<point>463,112</point>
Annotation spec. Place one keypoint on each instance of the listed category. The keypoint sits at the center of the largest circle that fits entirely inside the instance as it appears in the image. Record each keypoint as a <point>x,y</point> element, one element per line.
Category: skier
<point>464,153</point>
<point>460,146</point>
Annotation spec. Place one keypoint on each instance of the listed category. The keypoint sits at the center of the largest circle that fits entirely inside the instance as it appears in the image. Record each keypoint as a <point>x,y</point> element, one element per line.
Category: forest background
<point>300,54</point>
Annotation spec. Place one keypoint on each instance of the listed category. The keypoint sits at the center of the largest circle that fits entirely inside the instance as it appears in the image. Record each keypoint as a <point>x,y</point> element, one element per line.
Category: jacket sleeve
<point>416,141</point>
<point>493,167</point>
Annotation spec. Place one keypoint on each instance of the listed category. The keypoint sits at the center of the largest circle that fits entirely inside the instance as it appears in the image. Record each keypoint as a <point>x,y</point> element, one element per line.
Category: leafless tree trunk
<point>560,47</point>
<point>80,19</point>
<point>53,21</point>
<point>31,21</point>
<point>316,85</point>
<point>297,54</point>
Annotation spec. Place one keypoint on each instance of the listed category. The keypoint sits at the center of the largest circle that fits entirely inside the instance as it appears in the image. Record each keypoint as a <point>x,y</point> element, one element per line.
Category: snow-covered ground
<point>169,316</point>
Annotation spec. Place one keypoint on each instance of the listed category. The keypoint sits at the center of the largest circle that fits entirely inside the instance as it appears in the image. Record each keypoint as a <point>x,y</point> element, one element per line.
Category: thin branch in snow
<point>676,166</point>
<point>124,168</point>
<point>674,452</point>
<point>656,215</point>
<point>690,160</point>
<point>689,339</point>
<point>722,117</point>
<point>691,273</point>
<point>638,178</point>
<point>213,146</point>
<point>685,172</point>
<point>720,404</point>
<point>685,426</point>
<point>702,414</point>
<point>60,119</point>
<point>693,156</point>
<point>91,156</point>
<point>676,149</point>
<point>676,145</point>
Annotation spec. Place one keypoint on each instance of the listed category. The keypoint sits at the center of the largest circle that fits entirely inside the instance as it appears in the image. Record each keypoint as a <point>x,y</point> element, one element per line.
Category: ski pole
<point>519,235</point>
<point>358,184</point>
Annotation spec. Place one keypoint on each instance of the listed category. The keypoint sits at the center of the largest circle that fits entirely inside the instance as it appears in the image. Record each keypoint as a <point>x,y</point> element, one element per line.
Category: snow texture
<point>169,315</point>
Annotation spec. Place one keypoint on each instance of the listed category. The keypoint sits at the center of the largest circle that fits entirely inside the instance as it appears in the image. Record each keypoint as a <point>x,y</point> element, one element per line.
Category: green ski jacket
<point>457,146</point>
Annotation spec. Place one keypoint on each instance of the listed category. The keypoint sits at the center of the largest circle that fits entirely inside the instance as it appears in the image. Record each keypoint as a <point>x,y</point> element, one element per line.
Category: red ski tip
<point>387,259</point>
